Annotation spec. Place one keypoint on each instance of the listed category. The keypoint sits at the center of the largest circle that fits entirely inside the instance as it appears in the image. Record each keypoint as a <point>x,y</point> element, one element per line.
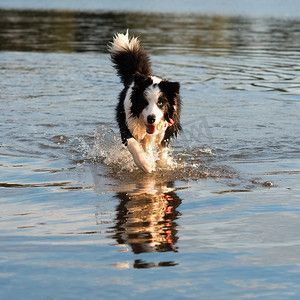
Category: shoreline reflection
<point>71,31</point>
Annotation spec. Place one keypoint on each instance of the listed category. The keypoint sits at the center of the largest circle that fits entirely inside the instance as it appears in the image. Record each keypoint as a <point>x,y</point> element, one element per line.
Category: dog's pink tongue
<point>150,129</point>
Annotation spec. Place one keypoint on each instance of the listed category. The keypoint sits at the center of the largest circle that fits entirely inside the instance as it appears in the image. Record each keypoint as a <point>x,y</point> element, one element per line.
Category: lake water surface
<point>79,221</point>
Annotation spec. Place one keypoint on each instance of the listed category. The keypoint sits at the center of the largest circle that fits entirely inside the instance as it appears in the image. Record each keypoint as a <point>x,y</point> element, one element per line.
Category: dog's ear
<point>175,87</point>
<point>170,88</point>
<point>138,78</point>
<point>140,81</point>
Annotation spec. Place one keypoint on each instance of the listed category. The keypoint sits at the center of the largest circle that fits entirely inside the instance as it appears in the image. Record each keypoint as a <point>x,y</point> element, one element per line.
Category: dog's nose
<point>151,119</point>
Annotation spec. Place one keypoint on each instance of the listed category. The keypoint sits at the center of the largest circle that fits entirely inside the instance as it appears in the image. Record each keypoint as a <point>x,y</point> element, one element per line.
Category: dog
<point>149,107</point>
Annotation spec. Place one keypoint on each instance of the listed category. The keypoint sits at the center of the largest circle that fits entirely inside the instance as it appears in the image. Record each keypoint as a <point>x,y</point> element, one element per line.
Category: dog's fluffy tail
<point>129,58</point>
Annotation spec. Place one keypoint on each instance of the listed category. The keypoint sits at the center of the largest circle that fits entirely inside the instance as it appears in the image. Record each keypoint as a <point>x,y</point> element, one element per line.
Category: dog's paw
<point>141,159</point>
<point>143,163</point>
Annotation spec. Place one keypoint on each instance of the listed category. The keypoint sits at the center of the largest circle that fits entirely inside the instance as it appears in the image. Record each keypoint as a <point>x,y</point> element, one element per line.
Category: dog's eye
<point>160,102</point>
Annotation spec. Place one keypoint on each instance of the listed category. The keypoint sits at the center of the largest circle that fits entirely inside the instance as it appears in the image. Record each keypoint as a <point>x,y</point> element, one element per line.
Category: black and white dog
<point>149,107</point>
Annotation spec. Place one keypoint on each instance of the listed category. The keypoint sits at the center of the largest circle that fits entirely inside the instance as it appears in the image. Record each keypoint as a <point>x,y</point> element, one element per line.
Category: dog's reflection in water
<point>146,219</point>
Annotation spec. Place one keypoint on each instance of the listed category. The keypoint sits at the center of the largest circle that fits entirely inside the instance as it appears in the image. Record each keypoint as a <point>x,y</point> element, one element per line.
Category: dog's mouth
<point>150,128</point>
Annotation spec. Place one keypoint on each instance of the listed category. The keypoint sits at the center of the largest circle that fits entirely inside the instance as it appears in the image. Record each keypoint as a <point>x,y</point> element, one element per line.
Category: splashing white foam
<point>182,164</point>
<point>109,150</point>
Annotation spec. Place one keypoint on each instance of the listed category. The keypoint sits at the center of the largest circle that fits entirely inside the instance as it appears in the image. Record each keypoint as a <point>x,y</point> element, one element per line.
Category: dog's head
<point>157,102</point>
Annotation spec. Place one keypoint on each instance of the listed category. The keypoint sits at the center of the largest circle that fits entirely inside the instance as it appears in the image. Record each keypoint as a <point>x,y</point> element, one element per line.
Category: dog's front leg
<point>163,156</point>
<point>139,156</point>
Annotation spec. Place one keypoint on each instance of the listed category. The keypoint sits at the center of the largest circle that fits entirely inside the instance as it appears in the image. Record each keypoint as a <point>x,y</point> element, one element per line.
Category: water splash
<point>183,164</point>
<point>109,151</point>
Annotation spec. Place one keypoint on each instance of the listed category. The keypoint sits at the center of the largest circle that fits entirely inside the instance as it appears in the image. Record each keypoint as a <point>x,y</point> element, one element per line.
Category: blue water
<point>79,221</point>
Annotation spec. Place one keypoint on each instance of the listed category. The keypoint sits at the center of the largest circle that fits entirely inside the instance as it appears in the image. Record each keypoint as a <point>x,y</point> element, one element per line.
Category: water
<point>79,221</point>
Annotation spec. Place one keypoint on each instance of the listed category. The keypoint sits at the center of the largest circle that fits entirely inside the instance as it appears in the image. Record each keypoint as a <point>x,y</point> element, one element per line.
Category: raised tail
<point>129,58</point>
